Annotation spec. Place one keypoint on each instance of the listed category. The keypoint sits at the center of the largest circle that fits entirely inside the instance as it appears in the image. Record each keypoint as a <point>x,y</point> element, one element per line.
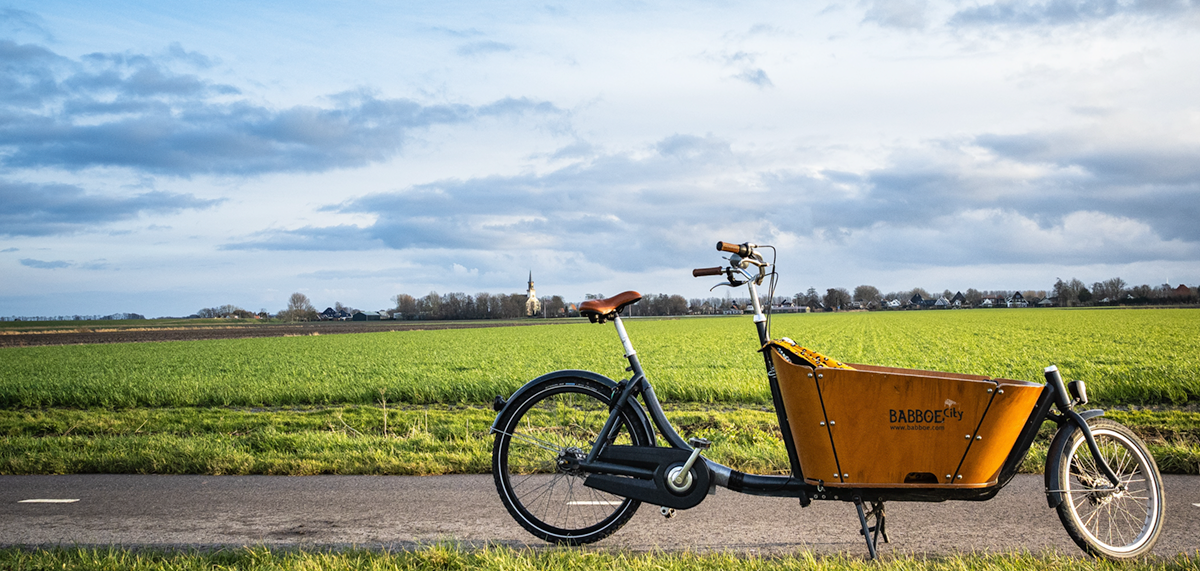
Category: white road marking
<point>48,501</point>
<point>593,503</point>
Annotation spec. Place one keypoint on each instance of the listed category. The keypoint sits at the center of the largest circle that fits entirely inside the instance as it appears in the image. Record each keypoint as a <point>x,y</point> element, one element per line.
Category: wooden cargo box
<point>882,427</point>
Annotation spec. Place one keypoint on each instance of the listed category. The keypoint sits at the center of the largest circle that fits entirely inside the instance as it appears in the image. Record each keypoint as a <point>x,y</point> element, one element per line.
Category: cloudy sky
<point>161,157</point>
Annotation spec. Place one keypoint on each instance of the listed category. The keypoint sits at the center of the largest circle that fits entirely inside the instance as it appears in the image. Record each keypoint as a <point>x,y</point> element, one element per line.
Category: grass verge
<point>439,557</point>
<point>405,441</point>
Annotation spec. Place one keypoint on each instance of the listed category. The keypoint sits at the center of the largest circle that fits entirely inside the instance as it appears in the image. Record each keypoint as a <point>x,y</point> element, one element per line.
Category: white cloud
<point>873,142</point>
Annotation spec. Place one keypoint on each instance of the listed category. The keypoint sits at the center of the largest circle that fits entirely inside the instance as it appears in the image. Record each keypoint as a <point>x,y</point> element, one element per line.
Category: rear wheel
<point>536,454</point>
<point>1114,522</point>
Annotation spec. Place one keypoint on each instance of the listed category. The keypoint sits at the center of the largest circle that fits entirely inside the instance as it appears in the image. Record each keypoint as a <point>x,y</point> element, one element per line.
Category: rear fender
<point>558,377</point>
<point>1054,455</point>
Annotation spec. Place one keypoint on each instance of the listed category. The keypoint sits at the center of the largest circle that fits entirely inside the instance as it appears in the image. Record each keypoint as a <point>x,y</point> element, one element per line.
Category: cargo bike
<point>576,453</point>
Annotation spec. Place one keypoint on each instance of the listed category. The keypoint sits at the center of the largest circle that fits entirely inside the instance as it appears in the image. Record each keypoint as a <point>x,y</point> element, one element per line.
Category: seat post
<point>629,352</point>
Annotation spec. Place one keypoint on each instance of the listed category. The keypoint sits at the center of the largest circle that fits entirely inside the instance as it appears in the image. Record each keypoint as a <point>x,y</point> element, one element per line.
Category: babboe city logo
<point>924,419</point>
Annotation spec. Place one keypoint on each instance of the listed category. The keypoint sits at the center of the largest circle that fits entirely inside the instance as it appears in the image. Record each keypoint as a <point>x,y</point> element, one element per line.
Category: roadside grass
<point>430,440</point>
<point>499,558</point>
<point>1141,357</point>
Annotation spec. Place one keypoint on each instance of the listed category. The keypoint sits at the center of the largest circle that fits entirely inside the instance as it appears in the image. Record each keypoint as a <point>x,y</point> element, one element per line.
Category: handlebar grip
<point>739,249</point>
<point>701,272</point>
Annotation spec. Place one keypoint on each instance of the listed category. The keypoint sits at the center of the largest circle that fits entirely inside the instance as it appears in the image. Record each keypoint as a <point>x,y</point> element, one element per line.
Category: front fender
<point>558,375</point>
<point>1055,453</point>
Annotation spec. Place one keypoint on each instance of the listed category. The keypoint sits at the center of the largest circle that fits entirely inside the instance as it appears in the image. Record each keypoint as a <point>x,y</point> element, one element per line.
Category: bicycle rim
<point>543,441</point>
<point>1114,523</point>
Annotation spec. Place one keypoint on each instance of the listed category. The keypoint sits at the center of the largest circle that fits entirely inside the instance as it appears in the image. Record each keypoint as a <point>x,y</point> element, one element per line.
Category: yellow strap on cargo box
<point>808,356</point>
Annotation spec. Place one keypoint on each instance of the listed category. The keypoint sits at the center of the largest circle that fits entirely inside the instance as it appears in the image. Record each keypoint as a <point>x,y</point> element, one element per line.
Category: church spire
<point>532,305</point>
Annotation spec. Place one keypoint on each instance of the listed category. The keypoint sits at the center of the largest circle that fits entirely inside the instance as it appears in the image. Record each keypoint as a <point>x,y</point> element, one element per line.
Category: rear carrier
<point>859,426</point>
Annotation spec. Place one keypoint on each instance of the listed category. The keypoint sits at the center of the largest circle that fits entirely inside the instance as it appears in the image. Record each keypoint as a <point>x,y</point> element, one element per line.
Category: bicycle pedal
<point>667,512</point>
<point>701,443</point>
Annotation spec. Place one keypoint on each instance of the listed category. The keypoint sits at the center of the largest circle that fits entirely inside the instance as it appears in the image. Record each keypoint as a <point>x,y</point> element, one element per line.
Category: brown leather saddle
<point>601,310</point>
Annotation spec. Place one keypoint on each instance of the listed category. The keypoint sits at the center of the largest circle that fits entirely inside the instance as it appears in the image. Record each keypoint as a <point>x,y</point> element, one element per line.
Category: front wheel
<point>536,454</point>
<point>1117,523</point>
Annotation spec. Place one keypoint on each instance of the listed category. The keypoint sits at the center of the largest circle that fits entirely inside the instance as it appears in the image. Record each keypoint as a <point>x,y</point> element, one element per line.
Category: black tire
<point>1114,525</point>
<point>554,422</point>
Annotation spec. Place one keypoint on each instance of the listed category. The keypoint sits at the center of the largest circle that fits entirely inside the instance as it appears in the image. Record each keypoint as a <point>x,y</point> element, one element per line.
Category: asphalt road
<point>402,512</point>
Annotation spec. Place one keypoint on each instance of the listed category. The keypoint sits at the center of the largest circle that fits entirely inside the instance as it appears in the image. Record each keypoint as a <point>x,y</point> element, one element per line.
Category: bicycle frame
<point>1053,395</point>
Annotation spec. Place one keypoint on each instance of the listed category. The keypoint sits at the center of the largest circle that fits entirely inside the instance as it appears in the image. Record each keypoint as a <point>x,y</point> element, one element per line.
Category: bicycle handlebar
<point>701,272</point>
<point>737,248</point>
<point>742,250</point>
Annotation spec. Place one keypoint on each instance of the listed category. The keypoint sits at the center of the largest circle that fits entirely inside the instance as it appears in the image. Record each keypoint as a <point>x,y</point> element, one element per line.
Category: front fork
<point>1069,420</point>
<point>1063,403</point>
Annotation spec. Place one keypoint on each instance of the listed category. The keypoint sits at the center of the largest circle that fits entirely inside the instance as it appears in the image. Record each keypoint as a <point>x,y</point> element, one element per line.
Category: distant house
<point>1047,302</point>
<point>1017,300</point>
<point>892,304</point>
<point>331,315</point>
<point>993,301</point>
<point>918,302</point>
<point>958,300</point>
<point>941,303</point>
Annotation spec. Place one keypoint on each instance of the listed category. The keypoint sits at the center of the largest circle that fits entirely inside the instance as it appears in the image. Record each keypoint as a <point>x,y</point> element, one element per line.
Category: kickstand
<point>872,532</point>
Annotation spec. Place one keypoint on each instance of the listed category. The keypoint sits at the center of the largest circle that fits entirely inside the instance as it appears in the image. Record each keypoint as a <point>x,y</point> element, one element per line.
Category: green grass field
<point>314,404</point>
<point>1142,357</point>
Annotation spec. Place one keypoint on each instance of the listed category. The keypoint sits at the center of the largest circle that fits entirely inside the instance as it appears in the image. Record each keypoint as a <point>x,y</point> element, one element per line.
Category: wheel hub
<point>569,459</point>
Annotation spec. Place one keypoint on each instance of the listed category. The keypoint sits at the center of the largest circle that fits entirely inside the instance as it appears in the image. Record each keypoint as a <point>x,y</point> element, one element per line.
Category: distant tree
<point>867,294</point>
<point>299,308</point>
<point>1084,295</point>
<point>1068,292</point>
<point>1142,293</point>
<point>973,296</point>
<point>430,306</point>
<point>406,305</point>
<point>809,299</point>
<point>1115,288</point>
<point>554,306</point>
<point>836,298</point>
